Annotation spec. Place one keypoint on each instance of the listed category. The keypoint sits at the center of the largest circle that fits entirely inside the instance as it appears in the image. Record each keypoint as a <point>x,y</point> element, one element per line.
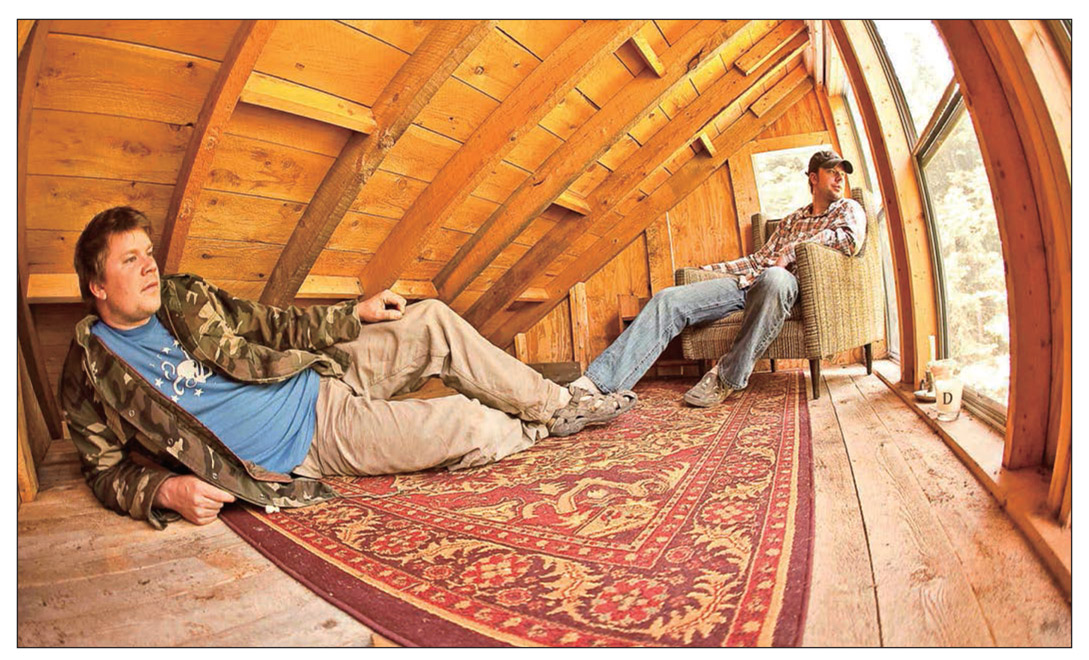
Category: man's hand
<point>196,500</point>
<point>782,261</point>
<point>384,306</point>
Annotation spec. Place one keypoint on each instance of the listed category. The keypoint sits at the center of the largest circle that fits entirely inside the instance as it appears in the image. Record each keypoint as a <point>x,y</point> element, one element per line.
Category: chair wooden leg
<point>868,348</point>
<point>815,375</point>
<point>773,366</point>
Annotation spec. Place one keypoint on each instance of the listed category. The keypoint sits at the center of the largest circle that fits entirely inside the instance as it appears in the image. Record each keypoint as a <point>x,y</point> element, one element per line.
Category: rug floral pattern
<point>673,526</point>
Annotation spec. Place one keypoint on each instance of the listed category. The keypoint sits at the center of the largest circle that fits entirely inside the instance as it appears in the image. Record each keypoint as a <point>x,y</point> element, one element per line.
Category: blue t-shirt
<point>271,424</point>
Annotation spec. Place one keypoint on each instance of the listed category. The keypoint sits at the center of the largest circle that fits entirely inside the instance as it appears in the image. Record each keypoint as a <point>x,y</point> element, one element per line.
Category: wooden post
<point>580,324</point>
<point>521,351</point>
<point>28,477</point>
<point>660,266</point>
<point>746,198</point>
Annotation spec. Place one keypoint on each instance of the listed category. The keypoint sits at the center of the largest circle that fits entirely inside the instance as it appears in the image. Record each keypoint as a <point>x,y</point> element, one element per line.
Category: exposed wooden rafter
<point>395,109</point>
<point>233,73</point>
<point>693,119</point>
<point>636,100</point>
<point>767,47</point>
<point>534,97</point>
<point>664,198</point>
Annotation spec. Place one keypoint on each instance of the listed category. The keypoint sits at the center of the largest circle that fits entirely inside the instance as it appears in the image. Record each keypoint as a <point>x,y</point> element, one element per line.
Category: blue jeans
<point>766,303</point>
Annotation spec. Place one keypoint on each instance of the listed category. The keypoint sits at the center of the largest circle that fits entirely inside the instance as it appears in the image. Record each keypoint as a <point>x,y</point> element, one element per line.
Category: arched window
<point>973,319</point>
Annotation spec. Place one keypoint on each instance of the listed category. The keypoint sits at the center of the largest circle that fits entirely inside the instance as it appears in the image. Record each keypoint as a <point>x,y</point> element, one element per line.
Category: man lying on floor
<point>258,402</point>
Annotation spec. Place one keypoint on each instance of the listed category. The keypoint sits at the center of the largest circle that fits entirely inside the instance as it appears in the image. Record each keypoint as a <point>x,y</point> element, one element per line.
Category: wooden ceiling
<point>492,164</point>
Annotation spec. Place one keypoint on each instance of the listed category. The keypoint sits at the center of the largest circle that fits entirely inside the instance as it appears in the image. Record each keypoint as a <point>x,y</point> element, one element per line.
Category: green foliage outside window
<point>975,283</point>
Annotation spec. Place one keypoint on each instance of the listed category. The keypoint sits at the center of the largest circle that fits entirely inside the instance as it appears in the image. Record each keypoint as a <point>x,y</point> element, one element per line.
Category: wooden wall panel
<point>705,224</point>
<point>205,38</point>
<point>107,77</point>
<point>56,324</point>
<point>332,57</point>
<point>256,167</point>
<point>626,274</point>
<point>804,117</point>
<point>69,203</point>
<point>550,339</point>
<point>98,146</point>
<point>405,35</point>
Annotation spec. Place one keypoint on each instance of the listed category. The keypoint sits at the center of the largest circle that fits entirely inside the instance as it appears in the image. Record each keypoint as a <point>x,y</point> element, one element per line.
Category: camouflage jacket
<point>113,413</point>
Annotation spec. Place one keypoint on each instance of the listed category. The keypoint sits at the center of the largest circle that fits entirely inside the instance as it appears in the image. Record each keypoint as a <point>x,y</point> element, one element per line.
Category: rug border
<point>266,540</point>
<point>800,552</point>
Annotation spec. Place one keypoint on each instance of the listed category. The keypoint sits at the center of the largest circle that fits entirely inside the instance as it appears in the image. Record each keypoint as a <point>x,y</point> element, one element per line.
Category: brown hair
<point>93,243</point>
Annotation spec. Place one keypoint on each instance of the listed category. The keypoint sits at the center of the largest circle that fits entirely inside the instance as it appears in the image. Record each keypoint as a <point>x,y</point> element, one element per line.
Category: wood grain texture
<point>621,183</point>
<point>842,594</point>
<point>591,142</point>
<point>998,562</point>
<point>196,167</point>
<point>910,550</point>
<point>396,108</point>
<point>293,98</point>
<point>28,68</point>
<point>491,141</point>
<point>628,228</point>
<point>1017,209</point>
<point>87,74</point>
<point>204,38</point>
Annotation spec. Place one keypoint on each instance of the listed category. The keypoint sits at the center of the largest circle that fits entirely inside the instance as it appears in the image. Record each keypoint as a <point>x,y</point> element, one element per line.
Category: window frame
<point>942,119</point>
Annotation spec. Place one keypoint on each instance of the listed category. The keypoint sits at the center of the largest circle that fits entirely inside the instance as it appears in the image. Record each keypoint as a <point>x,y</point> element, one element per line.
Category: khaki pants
<point>501,408</point>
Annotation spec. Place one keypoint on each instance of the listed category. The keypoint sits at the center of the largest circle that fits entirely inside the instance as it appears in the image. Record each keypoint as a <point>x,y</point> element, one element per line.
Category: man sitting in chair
<point>762,285</point>
<point>180,397</point>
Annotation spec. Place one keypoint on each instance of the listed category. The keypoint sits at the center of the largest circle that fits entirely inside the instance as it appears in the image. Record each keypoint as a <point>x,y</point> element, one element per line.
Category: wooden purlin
<point>592,140</point>
<point>470,165</point>
<point>664,198</point>
<point>604,200</point>
<point>396,108</point>
<point>233,73</point>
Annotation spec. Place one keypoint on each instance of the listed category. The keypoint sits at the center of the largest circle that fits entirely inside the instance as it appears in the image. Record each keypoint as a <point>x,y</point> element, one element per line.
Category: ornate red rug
<point>673,526</point>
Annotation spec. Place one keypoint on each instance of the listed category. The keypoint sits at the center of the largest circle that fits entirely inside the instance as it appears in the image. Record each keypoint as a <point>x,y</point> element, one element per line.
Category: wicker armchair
<point>840,303</point>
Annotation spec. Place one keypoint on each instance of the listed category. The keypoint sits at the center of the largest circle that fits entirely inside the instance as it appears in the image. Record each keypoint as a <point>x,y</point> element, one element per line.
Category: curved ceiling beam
<point>619,115</point>
<point>690,122</point>
<point>29,64</point>
<point>233,73</point>
<point>665,197</point>
<point>395,109</point>
<point>491,141</point>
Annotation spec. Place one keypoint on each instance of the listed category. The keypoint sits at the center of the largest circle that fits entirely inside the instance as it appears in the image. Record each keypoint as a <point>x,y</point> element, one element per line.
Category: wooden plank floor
<point>909,551</point>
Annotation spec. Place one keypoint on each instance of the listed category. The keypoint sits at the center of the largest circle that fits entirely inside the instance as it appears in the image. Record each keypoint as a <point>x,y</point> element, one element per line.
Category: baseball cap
<point>828,160</point>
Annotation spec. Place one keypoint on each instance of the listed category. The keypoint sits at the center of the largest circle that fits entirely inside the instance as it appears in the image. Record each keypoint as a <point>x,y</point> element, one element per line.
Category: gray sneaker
<point>708,392</point>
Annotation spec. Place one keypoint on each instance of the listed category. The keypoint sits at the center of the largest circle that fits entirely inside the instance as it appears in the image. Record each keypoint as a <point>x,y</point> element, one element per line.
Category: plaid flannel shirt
<point>842,226</point>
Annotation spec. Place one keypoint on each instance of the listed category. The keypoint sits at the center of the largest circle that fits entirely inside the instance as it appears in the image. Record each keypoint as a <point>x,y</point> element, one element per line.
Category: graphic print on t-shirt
<point>187,374</point>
